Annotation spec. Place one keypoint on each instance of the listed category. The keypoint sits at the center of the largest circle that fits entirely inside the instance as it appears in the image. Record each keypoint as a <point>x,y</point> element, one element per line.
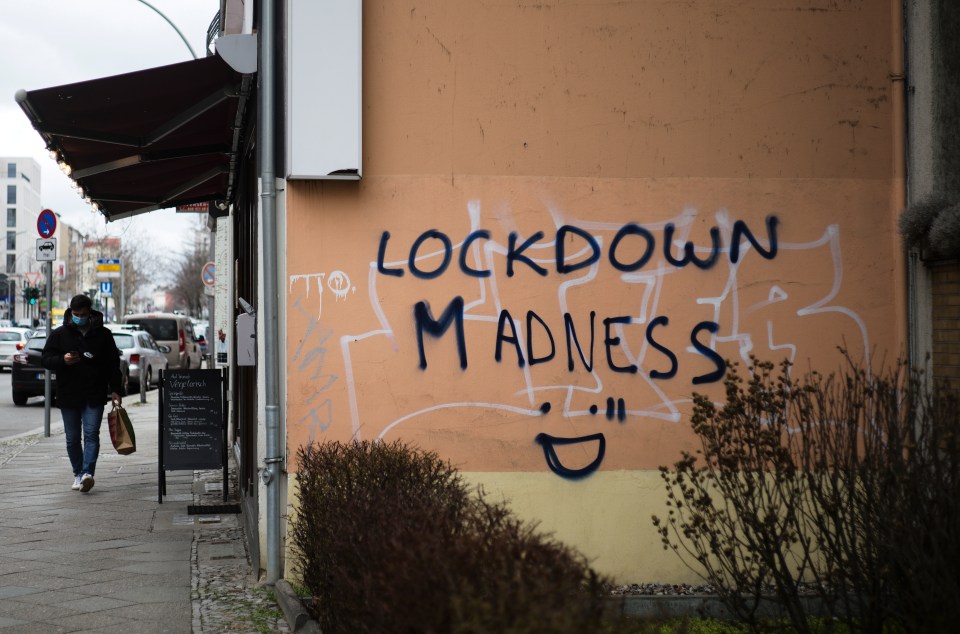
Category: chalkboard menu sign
<point>192,420</point>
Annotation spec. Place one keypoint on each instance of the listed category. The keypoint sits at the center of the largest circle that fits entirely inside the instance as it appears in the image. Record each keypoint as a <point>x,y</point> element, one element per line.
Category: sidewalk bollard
<point>143,387</point>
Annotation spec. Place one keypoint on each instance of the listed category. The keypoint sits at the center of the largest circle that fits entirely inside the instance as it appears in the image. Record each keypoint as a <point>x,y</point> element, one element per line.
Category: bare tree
<point>187,286</point>
<point>141,267</point>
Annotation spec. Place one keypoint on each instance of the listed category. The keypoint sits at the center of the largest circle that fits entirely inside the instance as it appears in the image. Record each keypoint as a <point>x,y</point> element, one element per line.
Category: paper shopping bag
<point>121,430</point>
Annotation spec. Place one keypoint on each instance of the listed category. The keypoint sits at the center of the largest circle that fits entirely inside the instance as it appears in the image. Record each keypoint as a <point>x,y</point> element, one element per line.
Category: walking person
<point>86,360</point>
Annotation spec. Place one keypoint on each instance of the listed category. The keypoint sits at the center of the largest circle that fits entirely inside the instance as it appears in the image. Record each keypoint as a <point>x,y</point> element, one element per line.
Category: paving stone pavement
<point>114,560</point>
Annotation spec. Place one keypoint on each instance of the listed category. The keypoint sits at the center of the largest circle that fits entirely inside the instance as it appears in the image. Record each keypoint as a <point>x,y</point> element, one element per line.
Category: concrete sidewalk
<point>113,559</point>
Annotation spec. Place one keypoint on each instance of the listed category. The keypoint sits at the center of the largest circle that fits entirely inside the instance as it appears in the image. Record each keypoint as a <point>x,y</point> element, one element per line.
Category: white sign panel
<point>324,88</point>
<point>46,249</point>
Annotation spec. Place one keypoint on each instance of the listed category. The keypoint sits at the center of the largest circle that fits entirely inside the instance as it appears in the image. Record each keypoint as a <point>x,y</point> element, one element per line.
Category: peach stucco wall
<point>778,118</point>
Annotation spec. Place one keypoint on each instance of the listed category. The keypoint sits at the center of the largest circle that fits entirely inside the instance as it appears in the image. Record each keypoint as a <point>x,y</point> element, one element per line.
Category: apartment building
<point>20,186</point>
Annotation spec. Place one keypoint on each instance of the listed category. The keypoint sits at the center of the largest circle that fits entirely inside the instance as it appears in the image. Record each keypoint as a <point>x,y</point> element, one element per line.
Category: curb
<point>668,607</point>
<point>640,607</point>
<point>293,611</point>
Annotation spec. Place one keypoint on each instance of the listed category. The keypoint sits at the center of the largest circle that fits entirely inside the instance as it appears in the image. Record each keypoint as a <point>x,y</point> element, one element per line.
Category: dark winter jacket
<point>97,375</point>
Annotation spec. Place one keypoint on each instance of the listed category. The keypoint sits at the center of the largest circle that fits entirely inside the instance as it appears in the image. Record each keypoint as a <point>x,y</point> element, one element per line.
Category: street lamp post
<point>170,22</point>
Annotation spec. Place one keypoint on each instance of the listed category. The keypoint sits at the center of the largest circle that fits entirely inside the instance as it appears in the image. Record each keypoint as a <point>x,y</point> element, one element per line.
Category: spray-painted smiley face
<point>548,443</point>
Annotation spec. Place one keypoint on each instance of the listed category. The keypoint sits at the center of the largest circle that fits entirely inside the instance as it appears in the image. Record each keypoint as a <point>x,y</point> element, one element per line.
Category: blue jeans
<point>84,419</point>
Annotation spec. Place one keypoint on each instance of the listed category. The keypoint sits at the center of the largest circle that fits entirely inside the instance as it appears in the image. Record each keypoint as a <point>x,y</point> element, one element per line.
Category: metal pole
<point>212,298</point>
<point>268,198</point>
<point>143,385</point>
<point>123,301</point>
<point>47,388</point>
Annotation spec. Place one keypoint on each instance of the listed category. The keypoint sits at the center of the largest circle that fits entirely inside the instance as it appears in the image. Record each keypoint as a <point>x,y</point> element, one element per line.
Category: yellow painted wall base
<point>608,519</point>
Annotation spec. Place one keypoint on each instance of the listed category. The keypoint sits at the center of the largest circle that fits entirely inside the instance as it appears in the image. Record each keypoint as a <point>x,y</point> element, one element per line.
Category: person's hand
<point>71,358</point>
<point>116,398</point>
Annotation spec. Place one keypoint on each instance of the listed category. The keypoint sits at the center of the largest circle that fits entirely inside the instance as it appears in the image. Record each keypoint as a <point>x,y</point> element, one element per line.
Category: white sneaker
<point>76,484</point>
<point>86,483</point>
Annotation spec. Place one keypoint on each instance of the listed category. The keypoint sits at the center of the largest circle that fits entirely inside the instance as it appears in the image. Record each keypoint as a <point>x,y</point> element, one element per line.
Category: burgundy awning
<point>150,139</point>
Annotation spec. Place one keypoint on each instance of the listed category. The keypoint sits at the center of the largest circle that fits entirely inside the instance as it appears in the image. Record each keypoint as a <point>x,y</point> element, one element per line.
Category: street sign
<point>46,223</point>
<point>209,274</point>
<point>46,249</point>
<point>106,289</point>
<point>108,268</point>
<point>193,207</point>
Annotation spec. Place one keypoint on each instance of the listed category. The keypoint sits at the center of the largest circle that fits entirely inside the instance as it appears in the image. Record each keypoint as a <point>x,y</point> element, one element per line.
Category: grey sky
<point>47,43</point>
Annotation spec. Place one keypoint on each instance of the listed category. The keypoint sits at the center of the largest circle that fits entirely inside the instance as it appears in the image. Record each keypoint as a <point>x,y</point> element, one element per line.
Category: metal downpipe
<point>273,460</point>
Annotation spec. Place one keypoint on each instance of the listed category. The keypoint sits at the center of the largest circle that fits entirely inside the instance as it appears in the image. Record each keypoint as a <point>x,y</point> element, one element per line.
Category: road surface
<point>20,420</point>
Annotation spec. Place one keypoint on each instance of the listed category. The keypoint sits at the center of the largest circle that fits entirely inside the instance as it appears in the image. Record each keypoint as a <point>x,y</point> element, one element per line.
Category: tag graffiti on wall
<point>591,347</point>
<point>426,323</point>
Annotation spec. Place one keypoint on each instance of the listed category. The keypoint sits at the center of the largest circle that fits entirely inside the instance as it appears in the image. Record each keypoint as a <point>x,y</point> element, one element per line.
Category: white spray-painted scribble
<point>651,281</point>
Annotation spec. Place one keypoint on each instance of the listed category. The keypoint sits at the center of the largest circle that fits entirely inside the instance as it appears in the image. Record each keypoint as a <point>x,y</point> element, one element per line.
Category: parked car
<point>12,340</point>
<point>174,331</point>
<point>27,373</point>
<point>200,330</point>
<point>144,356</point>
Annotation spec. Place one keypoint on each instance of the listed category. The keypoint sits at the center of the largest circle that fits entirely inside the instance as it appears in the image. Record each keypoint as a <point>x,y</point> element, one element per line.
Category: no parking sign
<point>209,274</point>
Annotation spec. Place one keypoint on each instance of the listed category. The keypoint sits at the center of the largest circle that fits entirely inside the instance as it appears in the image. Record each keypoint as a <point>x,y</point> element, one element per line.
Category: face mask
<point>79,321</point>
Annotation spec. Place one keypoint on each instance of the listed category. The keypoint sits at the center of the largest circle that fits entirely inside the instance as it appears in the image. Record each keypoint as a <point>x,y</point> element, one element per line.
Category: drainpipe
<point>918,21</point>
<point>272,463</point>
<point>901,160</point>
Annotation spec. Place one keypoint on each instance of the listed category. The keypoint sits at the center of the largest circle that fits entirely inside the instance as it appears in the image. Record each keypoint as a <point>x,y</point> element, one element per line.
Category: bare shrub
<point>389,539</point>
<point>735,513</point>
<point>933,225</point>
<point>915,221</point>
<point>945,233</point>
<point>849,482</point>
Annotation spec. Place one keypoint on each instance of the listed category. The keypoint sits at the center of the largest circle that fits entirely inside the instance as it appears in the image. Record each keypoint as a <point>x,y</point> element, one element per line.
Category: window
<point>161,329</point>
<point>11,241</point>
<point>11,170</point>
<point>11,216</point>
<point>11,194</point>
<point>11,263</point>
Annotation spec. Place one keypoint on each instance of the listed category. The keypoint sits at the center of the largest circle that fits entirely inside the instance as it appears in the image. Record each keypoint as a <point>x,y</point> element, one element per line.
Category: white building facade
<point>20,188</point>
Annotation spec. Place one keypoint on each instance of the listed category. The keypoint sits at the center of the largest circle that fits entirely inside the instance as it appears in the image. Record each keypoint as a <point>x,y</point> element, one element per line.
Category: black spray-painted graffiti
<point>623,255</point>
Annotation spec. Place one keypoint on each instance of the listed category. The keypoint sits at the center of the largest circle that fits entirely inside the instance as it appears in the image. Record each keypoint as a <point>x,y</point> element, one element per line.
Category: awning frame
<point>171,147</point>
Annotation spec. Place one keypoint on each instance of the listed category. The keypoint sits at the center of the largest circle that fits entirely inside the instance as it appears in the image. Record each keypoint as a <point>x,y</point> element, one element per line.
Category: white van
<point>174,331</point>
